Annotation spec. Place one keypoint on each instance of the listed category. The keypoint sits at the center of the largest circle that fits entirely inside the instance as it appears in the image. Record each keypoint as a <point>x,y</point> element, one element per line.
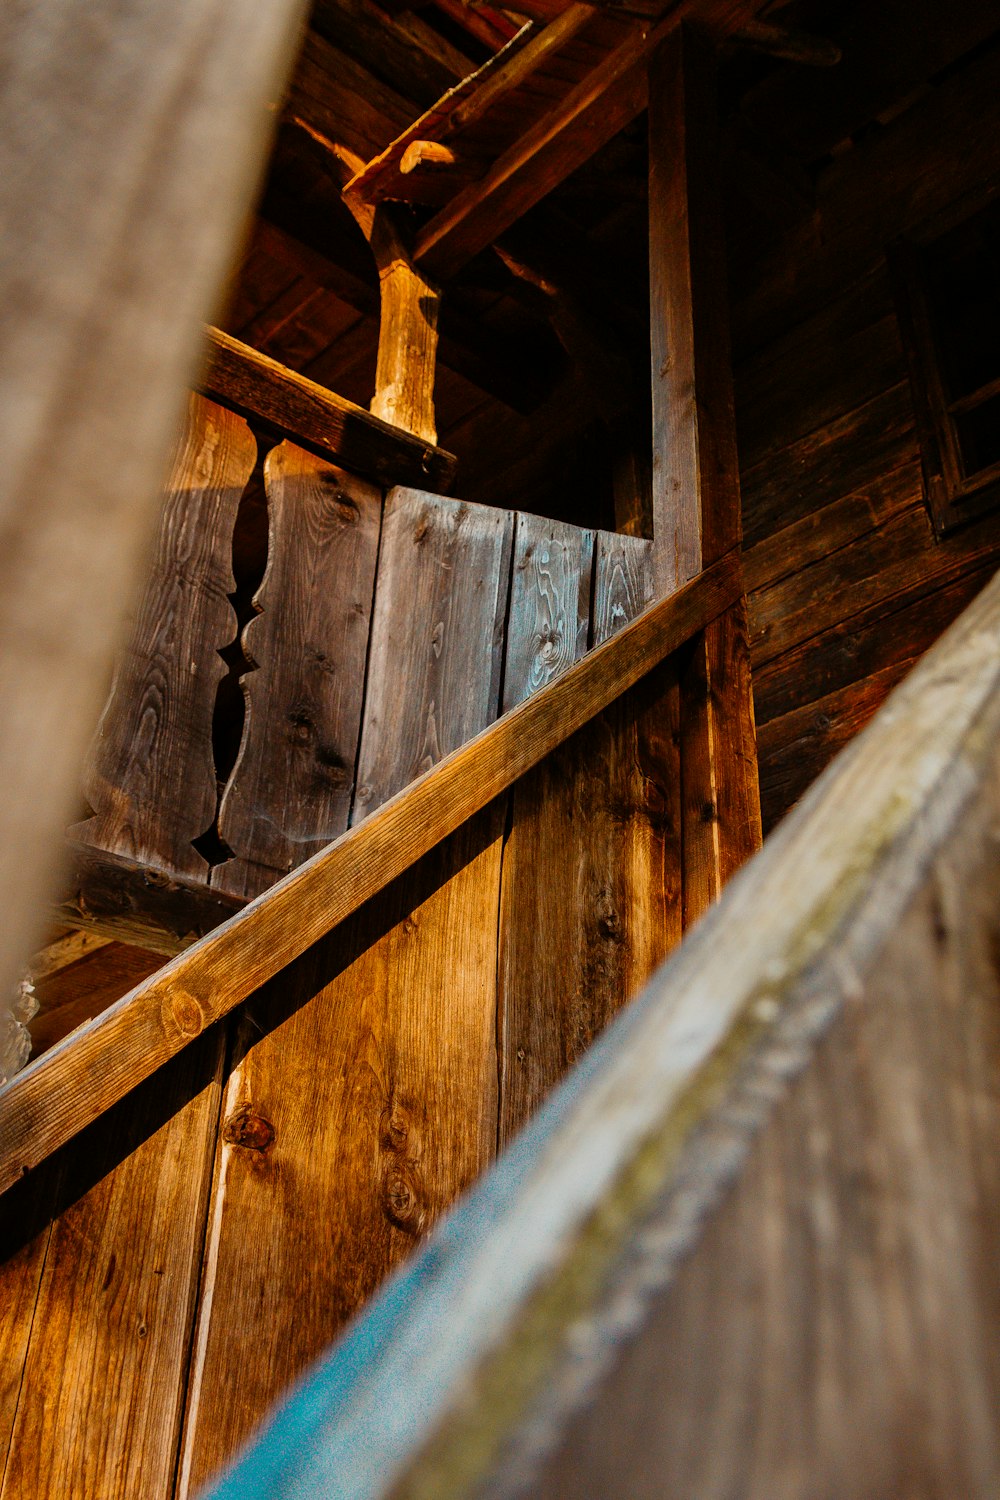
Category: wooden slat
<point>440,602</point>
<point>354,1160</point>
<point>290,790</point>
<point>102,1391</point>
<point>313,416</point>
<point>696,497</point>
<point>549,617</point>
<point>53,1099</point>
<point>150,777</point>
<point>623,582</point>
<point>591,872</point>
<point>558,1266</point>
<point>147,128</point>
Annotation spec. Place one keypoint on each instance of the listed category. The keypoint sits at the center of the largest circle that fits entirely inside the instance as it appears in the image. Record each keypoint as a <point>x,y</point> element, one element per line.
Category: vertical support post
<point>408,335</point>
<point>696,489</point>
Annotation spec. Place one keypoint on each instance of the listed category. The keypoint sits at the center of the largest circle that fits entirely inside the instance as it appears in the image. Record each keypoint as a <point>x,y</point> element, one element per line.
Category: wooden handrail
<point>94,1067</point>
<point>468,1367</point>
<point>256,386</point>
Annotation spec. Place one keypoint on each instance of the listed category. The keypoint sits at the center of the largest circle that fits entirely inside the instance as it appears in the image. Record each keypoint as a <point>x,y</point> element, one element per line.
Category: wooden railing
<point>749,1238</point>
<point>81,1077</point>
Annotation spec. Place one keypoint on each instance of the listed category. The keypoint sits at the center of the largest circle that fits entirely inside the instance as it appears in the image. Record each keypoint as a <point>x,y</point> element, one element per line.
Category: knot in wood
<point>245,1128</point>
<point>402,1198</point>
<point>185,1012</point>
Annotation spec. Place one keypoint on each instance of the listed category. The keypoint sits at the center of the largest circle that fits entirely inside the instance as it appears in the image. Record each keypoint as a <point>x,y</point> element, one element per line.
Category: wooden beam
<point>120,899</point>
<point>408,334</point>
<point>77,1080</point>
<point>598,107</point>
<point>257,386</point>
<point>598,1246</point>
<point>147,126</point>
<point>696,496</point>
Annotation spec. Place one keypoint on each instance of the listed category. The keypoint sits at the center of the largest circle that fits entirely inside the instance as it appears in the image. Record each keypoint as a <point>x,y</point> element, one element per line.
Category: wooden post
<point>130,139</point>
<point>408,334</point>
<point>696,488</point>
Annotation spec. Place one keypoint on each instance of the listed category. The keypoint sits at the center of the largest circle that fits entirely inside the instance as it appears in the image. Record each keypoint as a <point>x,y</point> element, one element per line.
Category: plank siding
<point>847,581</point>
<point>290,791</point>
<point>150,779</point>
<point>363,1096</point>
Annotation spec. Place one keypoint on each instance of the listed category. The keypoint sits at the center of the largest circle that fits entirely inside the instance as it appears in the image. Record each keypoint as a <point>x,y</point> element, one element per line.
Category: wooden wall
<point>848,584</point>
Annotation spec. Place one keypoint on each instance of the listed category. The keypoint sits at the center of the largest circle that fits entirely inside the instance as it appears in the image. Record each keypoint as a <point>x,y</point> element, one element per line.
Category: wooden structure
<point>432,735</point>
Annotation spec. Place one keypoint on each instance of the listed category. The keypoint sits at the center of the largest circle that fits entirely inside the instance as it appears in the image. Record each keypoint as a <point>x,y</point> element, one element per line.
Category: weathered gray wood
<point>129,141</point>
<point>565,1253</point>
<point>623,582</point>
<point>53,1099</point>
<point>328,1176</point>
<point>549,616</point>
<point>440,599</point>
<point>290,790</point>
<point>150,776</point>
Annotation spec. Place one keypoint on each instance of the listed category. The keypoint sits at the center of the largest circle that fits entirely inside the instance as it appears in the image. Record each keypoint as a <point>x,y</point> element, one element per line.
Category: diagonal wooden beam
<point>84,1075</point>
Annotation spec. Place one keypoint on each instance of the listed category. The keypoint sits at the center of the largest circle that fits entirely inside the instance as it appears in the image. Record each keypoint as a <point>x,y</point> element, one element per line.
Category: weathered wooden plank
<point>718,760</point>
<point>150,777</point>
<point>85,987</point>
<point>591,873</point>
<point>60,1094</point>
<point>308,413</point>
<point>623,582</point>
<point>334,1174</point>
<point>328,1176</point>
<point>103,1384</point>
<point>135,904</point>
<point>440,601</point>
<point>147,127</point>
<point>560,1260</point>
<point>290,790</point>
<point>548,621</point>
<point>696,497</point>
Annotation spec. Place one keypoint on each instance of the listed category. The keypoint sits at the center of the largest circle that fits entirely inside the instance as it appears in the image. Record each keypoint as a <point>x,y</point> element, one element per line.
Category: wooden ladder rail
<point>91,1069</point>
<point>600,1279</point>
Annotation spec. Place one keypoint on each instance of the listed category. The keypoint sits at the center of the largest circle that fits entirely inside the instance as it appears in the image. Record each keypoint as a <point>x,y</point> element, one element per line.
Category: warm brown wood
<point>335,1173</point>
<point>150,776</point>
<point>437,628</point>
<point>408,335</point>
<point>548,622</point>
<point>135,904</point>
<point>718,754</point>
<point>420,155</point>
<point>147,129</point>
<point>598,107</point>
<point>313,416</point>
<point>51,1101</point>
<point>290,790</point>
<point>85,987</point>
<point>696,497</point>
<point>820,1015</point>
<point>591,894</point>
<point>102,1390</point>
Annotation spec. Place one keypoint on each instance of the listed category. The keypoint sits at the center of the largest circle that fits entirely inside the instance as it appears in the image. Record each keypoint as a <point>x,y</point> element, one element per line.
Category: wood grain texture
<point>548,621</point>
<point>290,790</point>
<point>623,582</point>
<point>561,1259</point>
<point>60,1094</point>
<point>327,1177</point>
<point>440,602</point>
<point>135,904</point>
<point>408,335</point>
<point>147,125</point>
<point>719,778</point>
<point>696,497</point>
<point>150,776</point>
<point>309,414</point>
<point>590,899</point>
<point>100,1401</point>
